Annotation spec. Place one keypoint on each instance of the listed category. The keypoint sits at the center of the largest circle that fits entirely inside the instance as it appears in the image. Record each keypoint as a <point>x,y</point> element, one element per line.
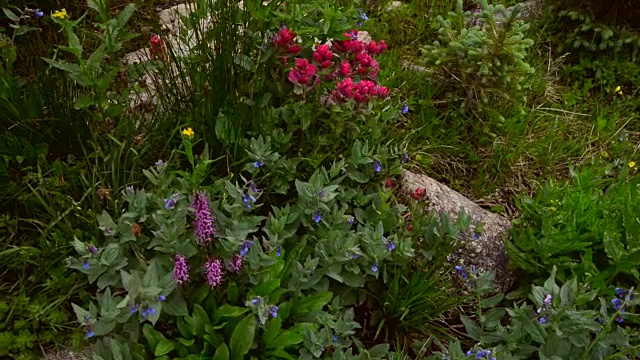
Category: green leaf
<point>379,351</point>
<point>470,326</point>
<point>110,254</point>
<point>568,292</point>
<point>267,287</point>
<point>286,339</point>
<point>222,353</point>
<point>175,305</point>
<point>313,303</point>
<point>200,319</point>
<point>244,61</point>
<point>83,102</point>
<point>13,17</point>
<point>81,314</point>
<point>492,301</point>
<point>226,311</point>
<point>103,327</point>
<point>492,317</point>
<point>153,336</point>
<point>242,337</point>
<point>164,347</point>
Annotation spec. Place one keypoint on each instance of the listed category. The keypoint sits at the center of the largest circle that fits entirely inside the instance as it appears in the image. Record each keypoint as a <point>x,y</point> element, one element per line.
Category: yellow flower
<point>60,14</point>
<point>618,90</point>
<point>632,164</point>
<point>188,132</point>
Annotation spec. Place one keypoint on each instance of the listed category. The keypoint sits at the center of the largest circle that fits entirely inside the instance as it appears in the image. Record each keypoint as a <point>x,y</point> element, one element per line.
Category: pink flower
<point>235,264</point>
<point>284,40</point>
<point>323,56</point>
<point>204,222</point>
<point>213,271</point>
<point>363,90</point>
<point>302,73</point>
<point>382,91</point>
<point>158,48</point>
<point>345,88</point>
<point>180,269</point>
<point>377,48</point>
<point>345,68</point>
<point>353,45</point>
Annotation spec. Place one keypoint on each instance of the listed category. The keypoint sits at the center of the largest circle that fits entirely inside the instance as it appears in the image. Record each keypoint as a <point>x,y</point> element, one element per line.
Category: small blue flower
<point>476,236</point>
<point>619,290</point>
<point>144,313</point>
<point>359,24</point>
<point>278,251</point>
<point>249,243</point>
<point>258,164</point>
<point>247,200</point>
<point>253,187</point>
<point>391,246</point>
<point>543,320</point>
<point>470,352</point>
<point>169,203</point>
<point>619,319</point>
<point>92,249</point>
<point>335,338</point>
<point>255,301</point>
<point>162,298</point>
<point>405,158</point>
<point>317,217</point>
<point>274,311</point>
<point>353,36</point>
<point>374,268</point>
<point>363,15</point>
<point>355,256</point>
<point>617,303</point>
<point>39,14</point>
<point>458,268</point>
<point>377,166</point>
<point>85,265</point>
<point>89,334</point>
<point>350,219</point>
<point>405,109</point>
<point>152,311</point>
<point>134,308</point>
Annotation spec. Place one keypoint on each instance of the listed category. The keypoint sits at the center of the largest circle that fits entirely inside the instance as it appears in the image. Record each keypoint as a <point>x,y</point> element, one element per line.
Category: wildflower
<point>363,91</point>
<point>162,298</point>
<point>160,164</point>
<point>204,222</point>
<point>377,48</point>
<point>170,202</point>
<point>278,251</point>
<point>618,90</point>
<point>405,109</point>
<point>377,167</point>
<point>619,319</point>
<point>158,51</point>
<point>617,303</point>
<point>547,299</point>
<point>255,301</point>
<point>317,217</point>
<point>355,256</point>
<point>323,56</point>
<point>188,132</point>
<point>136,229</point>
<point>85,265</point>
<point>144,313</point>
<point>92,249</point>
<point>60,14</point>
<point>391,246</point>
<point>89,333</point>
<point>350,219</point>
<point>253,187</point>
<point>388,183</point>
<point>258,164</point>
<point>130,189</point>
<point>236,263</point>
<point>344,89</point>
<point>345,69</point>
<point>274,311</point>
<point>284,40</point>
<point>134,308</point>
<point>213,271</point>
<point>632,164</point>
<point>419,193</point>
<point>374,268</point>
<point>382,91</point>
<point>405,158</point>
<point>302,73</point>
<point>410,227</point>
<point>335,338</point>
<point>543,320</point>
<point>248,200</point>
<point>244,248</point>
<point>180,270</point>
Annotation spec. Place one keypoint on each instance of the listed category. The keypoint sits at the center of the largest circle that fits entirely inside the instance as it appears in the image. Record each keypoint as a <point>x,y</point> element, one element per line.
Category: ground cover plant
<point>242,198</point>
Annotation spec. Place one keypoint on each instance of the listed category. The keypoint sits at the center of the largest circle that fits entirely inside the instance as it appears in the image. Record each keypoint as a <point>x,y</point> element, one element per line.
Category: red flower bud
<point>388,183</point>
<point>419,193</point>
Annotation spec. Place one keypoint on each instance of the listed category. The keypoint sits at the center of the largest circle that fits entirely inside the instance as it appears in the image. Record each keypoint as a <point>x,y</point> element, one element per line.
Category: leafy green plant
<point>482,68</point>
<point>584,226</point>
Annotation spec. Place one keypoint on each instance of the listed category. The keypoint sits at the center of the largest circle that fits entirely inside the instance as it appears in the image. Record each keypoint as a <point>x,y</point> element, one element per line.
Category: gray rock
<point>487,252</point>
<point>64,354</point>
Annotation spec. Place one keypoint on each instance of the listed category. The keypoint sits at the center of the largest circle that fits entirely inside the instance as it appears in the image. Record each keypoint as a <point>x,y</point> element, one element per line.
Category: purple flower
<point>144,313</point>
<point>162,298</point>
<point>248,200</point>
<point>274,311</point>
<point>317,217</point>
<point>253,187</point>
<point>476,236</point>
<point>169,203</point>
<point>547,299</point>
<point>543,320</point>
<point>244,248</point>
<point>363,15</point>
<point>89,333</point>
<point>258,164</point>
<point>236,263</point>
<point>92,249</point>
<point>134,308</point>
<point>377,166</point>
<point>617,303</point>
<point>405,158</point>
<point>278,251</point>
<point>391,246</point>
<point>619,319</point>
<point>160,164</point>
<point>38,14</point>
<point>204,223</point>
<point>359,24</point>
<point>152,311</point>
<point>619,291</point>
<point>350,219</point>
<point>180,270</point>
<point>85,265</point>
<point>355,256</point>
<point>255,301</point>
<point>213,271</point>
<point>353,36</point>
<point>405,109</point>
<point>374,268</point>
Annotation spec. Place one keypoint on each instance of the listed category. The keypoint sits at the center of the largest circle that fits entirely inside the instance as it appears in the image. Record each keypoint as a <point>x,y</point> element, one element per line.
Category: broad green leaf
<point>471,328</point>
<point>286,339</point>
<point>164,347</point>
<point>492,301</point>
<point>175,305</point>
<point>13,17</point>
<point>222,353</point>
<point>152,335</point>
<point>313,303</point>
<point>226,311</point>
<point>200,319</point>
<point>242,337</point>
<point>267,287</point>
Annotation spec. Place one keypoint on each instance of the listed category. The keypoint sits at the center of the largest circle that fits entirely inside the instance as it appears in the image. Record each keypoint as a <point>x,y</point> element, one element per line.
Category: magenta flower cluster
<point>204,223</point>
<point>213,271</point>
<point>180,270</point>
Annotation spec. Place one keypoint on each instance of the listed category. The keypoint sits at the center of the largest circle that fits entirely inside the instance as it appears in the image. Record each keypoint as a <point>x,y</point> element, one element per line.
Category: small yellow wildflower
<point>188,132</point>
<point>618,90</point>
<point>60,14</point>
<point>632,164</point>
